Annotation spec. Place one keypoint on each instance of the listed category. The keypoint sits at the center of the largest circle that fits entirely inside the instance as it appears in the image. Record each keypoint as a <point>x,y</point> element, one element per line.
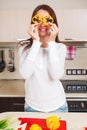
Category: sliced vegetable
<point>3,124</point>
<point>53,122</point>
<point>35,127</point>
<point>11,123</point>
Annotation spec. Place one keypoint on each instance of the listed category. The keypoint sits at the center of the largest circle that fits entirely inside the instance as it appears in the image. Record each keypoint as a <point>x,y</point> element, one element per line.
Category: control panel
<point>75,86</point>
<point>76,71</point>
<point>77,106</point>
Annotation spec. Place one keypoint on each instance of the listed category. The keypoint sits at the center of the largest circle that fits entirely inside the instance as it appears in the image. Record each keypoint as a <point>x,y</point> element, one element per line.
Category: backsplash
<point>11,60</point>
<point>77,66</point>
<point>77,63</point>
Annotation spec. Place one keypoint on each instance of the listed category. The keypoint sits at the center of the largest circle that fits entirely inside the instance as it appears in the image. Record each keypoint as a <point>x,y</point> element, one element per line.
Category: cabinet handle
<point>17,104</point>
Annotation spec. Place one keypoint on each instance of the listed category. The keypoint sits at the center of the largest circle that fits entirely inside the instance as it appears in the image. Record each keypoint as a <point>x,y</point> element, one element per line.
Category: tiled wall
<point>7,74</point>
<point>79,62</point>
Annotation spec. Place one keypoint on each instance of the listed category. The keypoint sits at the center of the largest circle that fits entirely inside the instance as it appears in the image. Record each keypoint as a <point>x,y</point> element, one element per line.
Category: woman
<point>42,60</point>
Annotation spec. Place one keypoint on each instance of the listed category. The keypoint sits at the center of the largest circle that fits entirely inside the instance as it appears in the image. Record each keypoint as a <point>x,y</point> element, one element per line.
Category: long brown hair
<point>29,41</point>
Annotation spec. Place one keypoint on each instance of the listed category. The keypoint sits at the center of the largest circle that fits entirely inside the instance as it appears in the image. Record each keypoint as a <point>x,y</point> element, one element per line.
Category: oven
<point>76,94</point>
<point>76,104</point>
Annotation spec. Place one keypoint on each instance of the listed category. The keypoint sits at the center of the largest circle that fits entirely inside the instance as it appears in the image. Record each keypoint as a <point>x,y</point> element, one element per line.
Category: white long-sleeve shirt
<point>42,69</point>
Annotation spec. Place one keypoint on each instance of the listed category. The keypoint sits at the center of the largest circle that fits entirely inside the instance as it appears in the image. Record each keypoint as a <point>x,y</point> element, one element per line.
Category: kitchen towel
<point>71,52</point>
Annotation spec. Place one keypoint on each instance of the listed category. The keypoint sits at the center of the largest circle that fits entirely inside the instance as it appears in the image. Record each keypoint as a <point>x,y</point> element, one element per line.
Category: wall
<point>79,62</point>
<point>7,74</point>
<point>29,5</point>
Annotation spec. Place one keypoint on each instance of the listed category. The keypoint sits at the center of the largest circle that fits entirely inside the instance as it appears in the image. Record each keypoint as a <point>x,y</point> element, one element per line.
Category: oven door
<point>77,104</point>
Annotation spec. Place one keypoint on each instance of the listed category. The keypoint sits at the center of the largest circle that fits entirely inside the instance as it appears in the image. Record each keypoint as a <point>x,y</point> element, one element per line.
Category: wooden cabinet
<point>11,104</point>
<point>14,24</point>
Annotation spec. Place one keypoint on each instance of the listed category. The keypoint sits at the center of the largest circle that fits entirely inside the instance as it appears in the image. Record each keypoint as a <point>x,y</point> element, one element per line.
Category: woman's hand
<point>52,32</point>
<point>33,32</point>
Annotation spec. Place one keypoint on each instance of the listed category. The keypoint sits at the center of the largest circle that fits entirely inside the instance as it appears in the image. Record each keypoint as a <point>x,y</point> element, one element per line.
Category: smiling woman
<point>42,59</point>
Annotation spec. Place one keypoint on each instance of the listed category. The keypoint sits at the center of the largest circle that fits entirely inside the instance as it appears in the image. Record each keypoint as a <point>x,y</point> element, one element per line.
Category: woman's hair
<point>51,12</point>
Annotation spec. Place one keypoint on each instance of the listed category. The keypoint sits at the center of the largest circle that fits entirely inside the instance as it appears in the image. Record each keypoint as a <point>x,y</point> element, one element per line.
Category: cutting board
<point>41,122</point>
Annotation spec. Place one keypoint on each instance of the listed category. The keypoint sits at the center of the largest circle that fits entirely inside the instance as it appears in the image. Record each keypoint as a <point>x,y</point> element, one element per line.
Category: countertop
<point>15,88</point>
<point>12,88</point>
<point>73,120</point>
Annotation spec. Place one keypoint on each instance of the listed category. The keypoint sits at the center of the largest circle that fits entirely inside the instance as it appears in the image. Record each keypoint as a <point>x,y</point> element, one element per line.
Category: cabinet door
<point>11,104</point>
<point>17,104</point>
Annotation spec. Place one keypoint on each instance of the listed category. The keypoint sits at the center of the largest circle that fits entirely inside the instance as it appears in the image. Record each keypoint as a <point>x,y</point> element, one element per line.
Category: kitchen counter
<point>13,92</point>
<point>15,88</point>
<point>11,88</point>
<point>74,120</point>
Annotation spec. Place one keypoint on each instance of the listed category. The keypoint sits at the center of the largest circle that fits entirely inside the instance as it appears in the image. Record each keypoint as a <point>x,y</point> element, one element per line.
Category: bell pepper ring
<point>53,122</point>
<point>45,20</point>
<point>36,19</point>
<point>35,127</point>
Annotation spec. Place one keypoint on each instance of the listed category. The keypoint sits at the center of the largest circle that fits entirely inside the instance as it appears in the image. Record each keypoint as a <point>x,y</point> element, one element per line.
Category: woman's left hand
<point>53,32</point>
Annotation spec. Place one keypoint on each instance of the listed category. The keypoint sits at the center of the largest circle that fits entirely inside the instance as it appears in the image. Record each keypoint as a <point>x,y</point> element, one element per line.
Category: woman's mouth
<point>43,29</point>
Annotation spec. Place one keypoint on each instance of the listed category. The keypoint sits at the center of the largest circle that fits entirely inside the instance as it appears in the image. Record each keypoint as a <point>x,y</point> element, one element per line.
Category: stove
<point>75,86</point>
<point>76,104</point>
<point>76,94</point>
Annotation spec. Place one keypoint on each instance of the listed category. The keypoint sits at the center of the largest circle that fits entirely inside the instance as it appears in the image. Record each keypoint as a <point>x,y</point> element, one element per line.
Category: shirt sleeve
<point>56,60</point>
<point>27,60</point>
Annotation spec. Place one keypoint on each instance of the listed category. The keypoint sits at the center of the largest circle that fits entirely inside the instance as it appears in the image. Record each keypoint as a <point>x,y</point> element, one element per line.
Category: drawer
<point>11,104</point>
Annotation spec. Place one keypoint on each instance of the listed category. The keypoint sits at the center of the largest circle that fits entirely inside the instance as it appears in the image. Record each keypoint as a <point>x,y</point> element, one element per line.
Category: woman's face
<point>43,28</point>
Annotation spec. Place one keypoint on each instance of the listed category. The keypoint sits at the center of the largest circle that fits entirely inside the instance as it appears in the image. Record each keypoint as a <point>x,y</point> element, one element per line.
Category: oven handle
<point>76,99</point>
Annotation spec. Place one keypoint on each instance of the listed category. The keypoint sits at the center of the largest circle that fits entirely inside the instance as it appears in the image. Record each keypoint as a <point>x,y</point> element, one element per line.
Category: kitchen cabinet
<point>14,23</point>
<point>11,95</point>
<point>11,104</point>
<point>78,43</point>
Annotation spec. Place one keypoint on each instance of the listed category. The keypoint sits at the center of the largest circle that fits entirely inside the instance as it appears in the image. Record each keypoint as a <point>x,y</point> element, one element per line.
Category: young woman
<point>42,60</point>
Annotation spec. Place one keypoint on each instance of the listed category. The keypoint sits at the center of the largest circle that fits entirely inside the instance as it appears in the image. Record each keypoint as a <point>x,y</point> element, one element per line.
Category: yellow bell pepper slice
<point>35,127</point>
<point>37,19</point>
<point>53,122</point>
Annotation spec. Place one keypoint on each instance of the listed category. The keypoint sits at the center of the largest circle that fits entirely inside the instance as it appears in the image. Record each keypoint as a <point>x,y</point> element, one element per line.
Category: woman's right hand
<point>33,32</point>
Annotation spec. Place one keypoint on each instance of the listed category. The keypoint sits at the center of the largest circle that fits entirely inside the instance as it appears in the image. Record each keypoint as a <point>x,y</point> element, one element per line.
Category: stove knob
<point>82,105</point>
